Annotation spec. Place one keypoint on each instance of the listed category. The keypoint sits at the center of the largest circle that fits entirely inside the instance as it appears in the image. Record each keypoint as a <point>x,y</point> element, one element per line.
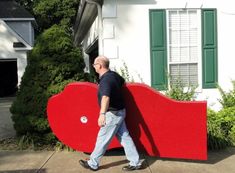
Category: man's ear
<point>100,66</point>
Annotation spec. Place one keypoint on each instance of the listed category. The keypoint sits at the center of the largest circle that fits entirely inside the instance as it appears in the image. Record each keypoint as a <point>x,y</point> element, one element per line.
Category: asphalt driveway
<point>6,124</point>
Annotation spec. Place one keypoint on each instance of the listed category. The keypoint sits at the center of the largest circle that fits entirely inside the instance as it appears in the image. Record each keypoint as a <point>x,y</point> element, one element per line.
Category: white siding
<point>130,42</point>
<point>8,52</point>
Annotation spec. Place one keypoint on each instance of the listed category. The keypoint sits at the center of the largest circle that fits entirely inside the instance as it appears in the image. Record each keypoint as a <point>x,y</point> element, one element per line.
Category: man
<point>111,119</point>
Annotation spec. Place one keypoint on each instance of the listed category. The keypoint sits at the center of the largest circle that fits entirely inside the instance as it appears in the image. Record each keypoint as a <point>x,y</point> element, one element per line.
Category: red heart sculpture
<point>158,125</point>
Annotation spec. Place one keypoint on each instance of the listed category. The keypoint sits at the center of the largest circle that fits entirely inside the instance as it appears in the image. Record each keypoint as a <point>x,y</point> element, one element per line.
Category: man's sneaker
<point>86,165</point>
<point>131,168</point>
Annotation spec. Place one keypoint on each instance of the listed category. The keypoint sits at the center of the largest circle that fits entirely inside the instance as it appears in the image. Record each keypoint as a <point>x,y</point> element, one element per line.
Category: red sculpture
<point>158,125</point>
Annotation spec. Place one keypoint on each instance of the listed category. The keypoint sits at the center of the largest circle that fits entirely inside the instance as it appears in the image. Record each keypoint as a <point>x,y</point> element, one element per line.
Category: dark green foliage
<point>49,12</point>
<point>27,4</point>
<point>52,64</point>
<point>227,115</point>
<point>215,136</point>
<point>220,127</point>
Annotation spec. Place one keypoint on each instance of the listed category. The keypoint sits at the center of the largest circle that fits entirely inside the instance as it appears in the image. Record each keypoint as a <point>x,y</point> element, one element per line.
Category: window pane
<point>193,69</point>
<point>183,19</point>
<point>193,37</point>
<point>184,37</point>
<point>192,19</point>
<point>174,54</point>
<point>183,69</point>
<point>193,80</point>
<point>184,54</point>
<point>186,74</point>
<point>174,37</point>
<point>193,51</point>
<point>173,19</point>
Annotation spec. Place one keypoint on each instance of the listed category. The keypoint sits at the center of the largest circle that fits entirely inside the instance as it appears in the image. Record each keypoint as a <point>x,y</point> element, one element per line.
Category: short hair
<point>103,60</point>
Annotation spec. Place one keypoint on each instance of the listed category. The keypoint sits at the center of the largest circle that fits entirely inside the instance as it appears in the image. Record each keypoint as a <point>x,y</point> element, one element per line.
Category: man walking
<point>111,119</point>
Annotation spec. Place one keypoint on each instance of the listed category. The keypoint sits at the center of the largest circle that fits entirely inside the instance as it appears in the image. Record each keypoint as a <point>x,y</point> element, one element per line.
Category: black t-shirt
<point>110,85</point>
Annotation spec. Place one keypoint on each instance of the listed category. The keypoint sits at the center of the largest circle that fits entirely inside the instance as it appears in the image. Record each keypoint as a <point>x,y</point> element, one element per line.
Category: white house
<point>191,40</point>
<point>16,38</point>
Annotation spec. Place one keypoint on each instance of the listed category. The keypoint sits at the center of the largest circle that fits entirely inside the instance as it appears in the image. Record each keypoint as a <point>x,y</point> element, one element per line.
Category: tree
<point>27,4</point>
<point>50,12</point>
<point>53,63</point>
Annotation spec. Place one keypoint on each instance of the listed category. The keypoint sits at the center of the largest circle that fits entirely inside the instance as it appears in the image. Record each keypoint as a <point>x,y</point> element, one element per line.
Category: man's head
<point>101,64</point>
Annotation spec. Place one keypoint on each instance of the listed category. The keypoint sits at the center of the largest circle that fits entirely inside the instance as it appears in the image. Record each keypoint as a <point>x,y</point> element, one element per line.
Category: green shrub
<point>53,63</point>
<point>221,125</point>
<point>215,137</point>
<point>178,91</point>
<point>124,72</point>
<point>221,128</point>
<point>227,117</point>
<point>228,98</point>
<point>232,135</point>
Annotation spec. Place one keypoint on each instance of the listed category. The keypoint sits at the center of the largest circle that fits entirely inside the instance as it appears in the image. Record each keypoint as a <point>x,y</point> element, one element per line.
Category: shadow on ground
<point>213,157</point>
<point>119,152</point>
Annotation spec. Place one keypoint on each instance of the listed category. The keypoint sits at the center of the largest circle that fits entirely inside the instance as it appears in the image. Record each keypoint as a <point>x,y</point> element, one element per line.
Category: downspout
<point>100,25</point>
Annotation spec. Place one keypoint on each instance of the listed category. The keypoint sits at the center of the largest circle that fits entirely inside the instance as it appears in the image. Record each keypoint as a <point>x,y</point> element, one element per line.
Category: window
<point>183,46</point>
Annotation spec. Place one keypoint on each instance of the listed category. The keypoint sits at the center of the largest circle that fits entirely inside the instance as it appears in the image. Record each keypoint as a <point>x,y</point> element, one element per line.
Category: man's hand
<point>103,109</point>
<point>101,120</point>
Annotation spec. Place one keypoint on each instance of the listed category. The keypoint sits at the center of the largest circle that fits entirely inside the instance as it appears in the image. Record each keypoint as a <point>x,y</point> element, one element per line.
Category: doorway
<point>8,77</point>
<point>93,52</point>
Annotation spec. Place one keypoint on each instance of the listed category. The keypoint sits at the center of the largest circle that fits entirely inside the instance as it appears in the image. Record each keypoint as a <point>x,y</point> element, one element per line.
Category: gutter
<point>100,25</point>
<point>79,15</point>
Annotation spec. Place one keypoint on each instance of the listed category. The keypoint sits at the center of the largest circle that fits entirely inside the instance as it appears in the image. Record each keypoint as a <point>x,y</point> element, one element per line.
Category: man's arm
<point>103,109</point>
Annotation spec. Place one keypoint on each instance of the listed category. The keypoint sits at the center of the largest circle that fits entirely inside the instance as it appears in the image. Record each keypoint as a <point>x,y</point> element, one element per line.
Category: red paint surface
<point>158,125</point>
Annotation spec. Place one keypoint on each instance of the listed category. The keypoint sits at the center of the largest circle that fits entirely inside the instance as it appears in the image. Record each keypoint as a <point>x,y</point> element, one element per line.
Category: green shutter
<point>158,49</point>
<point>209,48</point>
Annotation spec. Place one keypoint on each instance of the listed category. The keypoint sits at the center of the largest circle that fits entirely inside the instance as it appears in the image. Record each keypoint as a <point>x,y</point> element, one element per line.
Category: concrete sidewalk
<point>67,162</point>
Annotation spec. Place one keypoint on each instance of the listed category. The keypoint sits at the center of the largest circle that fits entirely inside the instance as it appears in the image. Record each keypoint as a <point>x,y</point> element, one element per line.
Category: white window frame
<point>199,61</point>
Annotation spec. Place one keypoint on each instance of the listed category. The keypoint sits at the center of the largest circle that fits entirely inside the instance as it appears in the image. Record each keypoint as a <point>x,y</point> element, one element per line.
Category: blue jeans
<point>115,125</point>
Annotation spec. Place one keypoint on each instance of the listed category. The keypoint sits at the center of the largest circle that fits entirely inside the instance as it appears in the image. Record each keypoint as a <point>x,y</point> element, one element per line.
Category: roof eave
<point>85,17</point>
<point>22,19</point>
